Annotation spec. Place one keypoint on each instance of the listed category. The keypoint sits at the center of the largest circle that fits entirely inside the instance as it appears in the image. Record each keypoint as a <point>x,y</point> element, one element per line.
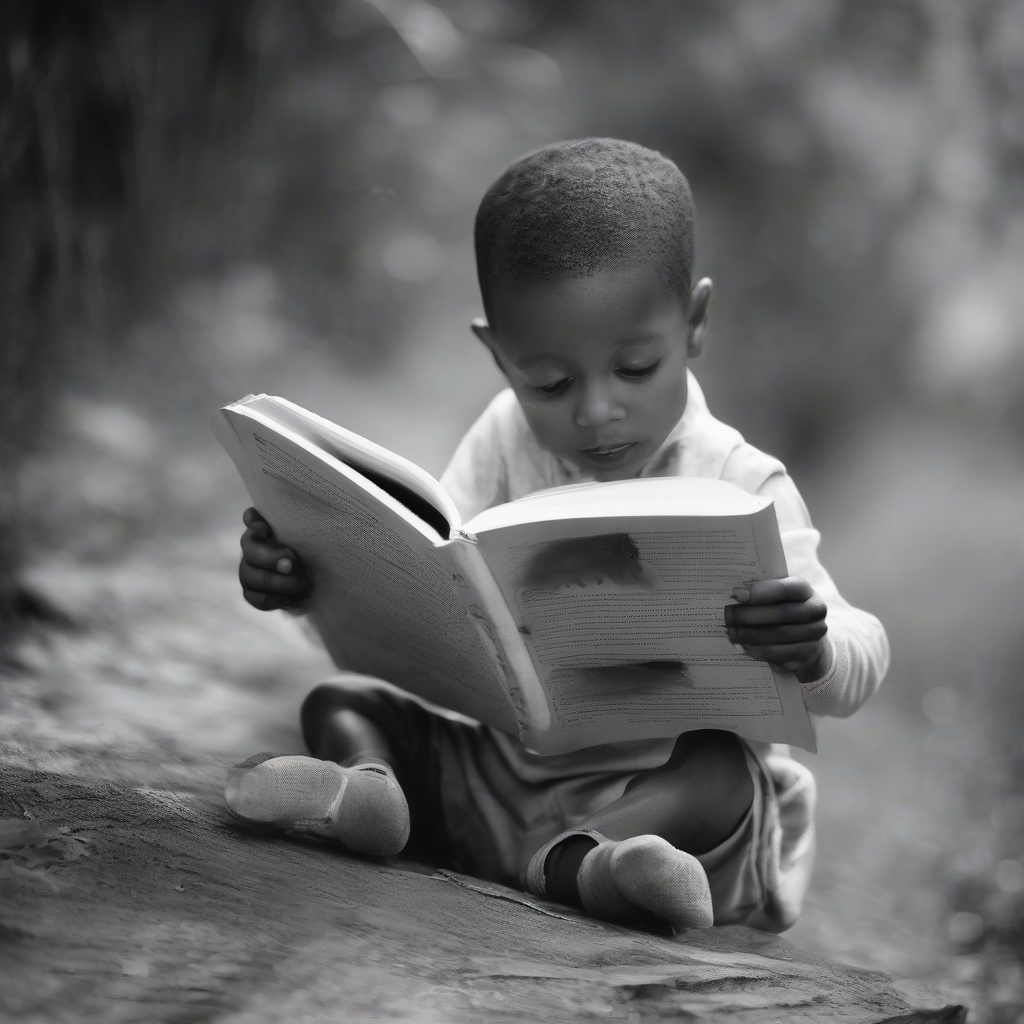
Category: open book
<point>576,616</point>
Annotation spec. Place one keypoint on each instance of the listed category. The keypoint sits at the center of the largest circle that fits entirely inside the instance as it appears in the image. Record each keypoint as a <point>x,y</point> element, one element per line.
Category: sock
<point>562,868</point>
<point>361,807</point>
<point>642,880</point>
<point>534,875</point>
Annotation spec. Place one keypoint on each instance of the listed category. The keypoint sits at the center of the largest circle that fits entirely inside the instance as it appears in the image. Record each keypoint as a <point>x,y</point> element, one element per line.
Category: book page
<point>403,480</point>
<point>650,496</point>
<point>384,598</point>
<point>624,619</point>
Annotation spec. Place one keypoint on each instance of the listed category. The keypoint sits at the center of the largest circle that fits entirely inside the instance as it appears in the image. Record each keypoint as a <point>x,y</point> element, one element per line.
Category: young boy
<point>584,253</point>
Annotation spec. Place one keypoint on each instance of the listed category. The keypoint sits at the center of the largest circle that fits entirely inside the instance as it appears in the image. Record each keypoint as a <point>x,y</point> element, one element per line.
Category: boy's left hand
<point>781,622</point>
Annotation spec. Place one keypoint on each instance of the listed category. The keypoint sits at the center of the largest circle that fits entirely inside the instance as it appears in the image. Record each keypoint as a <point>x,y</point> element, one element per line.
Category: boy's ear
<point>697,317</point>
<point>479,326</point>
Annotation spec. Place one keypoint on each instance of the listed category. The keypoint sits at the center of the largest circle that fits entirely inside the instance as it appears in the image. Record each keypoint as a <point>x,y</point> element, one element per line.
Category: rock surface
<point>126,895</point>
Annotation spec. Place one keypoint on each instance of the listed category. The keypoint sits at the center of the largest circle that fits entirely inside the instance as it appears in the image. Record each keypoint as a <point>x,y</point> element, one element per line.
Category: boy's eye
<point>638,372</point>
<point>556,388</point>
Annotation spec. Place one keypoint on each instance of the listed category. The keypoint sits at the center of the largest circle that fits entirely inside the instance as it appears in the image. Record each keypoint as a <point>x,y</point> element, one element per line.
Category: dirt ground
<point>145,905</point>
<point>129,898</point>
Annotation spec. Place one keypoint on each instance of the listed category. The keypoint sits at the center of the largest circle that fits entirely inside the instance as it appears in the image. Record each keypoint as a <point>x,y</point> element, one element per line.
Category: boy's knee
<point>349,691</point>
<point>719,760</point>
<point>340,722</point>
<point>711,746</point>
<point>325,700</point>
<point>695,800</point>
<point>320,701</point>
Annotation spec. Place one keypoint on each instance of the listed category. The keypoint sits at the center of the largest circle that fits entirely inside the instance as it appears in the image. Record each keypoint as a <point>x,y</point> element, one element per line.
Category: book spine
<point>768,543</point>
<point>485,604</point>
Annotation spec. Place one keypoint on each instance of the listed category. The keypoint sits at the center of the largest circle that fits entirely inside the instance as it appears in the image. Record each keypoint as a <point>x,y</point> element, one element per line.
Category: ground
<point>129,896</point>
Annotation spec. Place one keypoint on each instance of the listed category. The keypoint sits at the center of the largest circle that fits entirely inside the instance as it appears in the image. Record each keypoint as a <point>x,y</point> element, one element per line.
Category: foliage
<point>148,142</point>
<point>81,245</point>
<point>858,164</point>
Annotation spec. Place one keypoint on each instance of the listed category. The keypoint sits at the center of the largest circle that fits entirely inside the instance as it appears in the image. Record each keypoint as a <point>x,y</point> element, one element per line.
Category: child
<point>584,253</point>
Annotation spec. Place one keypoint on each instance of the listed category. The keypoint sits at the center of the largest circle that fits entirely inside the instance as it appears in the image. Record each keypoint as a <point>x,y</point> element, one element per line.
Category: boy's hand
<point>781,622</point>
<point>272,576</point>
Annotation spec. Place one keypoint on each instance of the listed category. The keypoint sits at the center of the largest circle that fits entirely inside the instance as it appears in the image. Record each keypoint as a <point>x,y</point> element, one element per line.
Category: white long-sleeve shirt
<point>500,460</point>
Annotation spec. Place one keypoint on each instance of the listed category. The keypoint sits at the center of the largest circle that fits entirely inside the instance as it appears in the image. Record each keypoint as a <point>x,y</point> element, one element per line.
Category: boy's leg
<point>371,750</point>
<point>358,720</point>
<point>334,730</point>
<point>641,863</point>
<point>362,806</point>
<point>695,800</point>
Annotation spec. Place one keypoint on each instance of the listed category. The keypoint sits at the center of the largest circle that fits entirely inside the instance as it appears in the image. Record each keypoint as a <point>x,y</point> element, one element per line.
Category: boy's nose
<point>597,408</point>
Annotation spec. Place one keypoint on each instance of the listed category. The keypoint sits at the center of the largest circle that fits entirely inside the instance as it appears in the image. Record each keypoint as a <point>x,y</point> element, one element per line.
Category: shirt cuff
<point>833,661</point>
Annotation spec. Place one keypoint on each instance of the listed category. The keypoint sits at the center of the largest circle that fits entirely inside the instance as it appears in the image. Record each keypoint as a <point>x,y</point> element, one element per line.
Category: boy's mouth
<point>608,452</point>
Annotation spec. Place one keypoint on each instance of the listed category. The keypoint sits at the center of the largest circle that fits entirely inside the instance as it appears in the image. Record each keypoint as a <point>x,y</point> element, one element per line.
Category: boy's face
<point>598,363</point>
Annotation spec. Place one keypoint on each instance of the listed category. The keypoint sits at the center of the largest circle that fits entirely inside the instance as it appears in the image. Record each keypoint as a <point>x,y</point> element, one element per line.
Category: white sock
<point>361,807</point>
<point>630,881</point>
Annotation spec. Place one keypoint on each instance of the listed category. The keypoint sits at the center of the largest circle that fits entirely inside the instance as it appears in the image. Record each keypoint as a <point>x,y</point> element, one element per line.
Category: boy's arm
<point>856,640</point>
<point>475,478</point>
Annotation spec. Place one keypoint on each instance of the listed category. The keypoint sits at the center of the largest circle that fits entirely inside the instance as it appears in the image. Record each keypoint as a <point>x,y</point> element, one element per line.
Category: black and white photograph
<point>511,511</point>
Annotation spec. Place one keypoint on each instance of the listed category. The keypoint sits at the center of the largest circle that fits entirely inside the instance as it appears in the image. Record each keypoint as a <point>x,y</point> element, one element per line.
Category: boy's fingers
<point>251,516</point>
<point>790,656</point>
<point>792,588</point>
<point>267,554</point>
<point>776,614</point>
<point>268,602</point>
<point>253,578</point>
<point>763,636</point>
<point>257,524</point>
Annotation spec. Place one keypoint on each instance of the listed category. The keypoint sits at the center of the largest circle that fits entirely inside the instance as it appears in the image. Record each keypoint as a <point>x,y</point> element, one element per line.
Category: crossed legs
<point>693,802</point>
<point>638,865</point>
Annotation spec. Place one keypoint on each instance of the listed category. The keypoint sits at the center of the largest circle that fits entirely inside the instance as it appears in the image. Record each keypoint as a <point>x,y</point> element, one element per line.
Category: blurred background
<point>206,199</point>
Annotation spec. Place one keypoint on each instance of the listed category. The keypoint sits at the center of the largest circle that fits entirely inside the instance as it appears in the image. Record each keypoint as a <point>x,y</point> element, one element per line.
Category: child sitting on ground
<point>584,253</point>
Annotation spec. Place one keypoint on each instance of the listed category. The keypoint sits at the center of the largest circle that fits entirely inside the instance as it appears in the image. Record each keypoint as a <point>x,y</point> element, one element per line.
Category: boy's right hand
<point>272,576</point>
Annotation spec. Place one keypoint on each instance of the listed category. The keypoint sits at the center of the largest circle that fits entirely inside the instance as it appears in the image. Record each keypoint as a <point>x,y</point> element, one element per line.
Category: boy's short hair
<point>572,208</point>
